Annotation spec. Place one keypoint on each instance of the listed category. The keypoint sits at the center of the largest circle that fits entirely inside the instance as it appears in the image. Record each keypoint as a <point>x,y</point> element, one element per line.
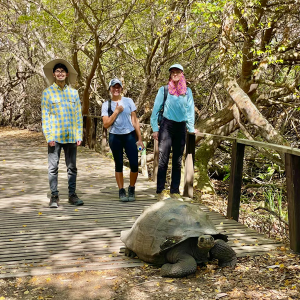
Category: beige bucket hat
<point>48,71</point>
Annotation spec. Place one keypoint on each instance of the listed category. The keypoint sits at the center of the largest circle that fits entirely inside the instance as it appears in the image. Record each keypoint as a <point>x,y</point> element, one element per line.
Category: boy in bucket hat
<point>62,125</point>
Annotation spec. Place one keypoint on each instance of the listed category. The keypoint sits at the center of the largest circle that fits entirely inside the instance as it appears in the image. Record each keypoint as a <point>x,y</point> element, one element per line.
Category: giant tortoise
<point>179,236</point>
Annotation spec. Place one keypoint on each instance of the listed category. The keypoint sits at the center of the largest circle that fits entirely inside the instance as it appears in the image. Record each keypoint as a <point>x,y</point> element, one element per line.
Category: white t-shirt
<point>122,124</point>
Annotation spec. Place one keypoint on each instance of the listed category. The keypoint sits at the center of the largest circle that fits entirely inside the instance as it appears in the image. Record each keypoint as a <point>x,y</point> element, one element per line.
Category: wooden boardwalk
<point>36,240</point>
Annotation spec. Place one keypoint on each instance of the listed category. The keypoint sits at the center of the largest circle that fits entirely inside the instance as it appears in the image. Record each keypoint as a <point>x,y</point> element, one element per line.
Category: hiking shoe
<point>122,195</point>
<point>54,201</point>
<point>74,200</point>
<point>176,196</point>
<point>163,195</point>
<point>131,193</point>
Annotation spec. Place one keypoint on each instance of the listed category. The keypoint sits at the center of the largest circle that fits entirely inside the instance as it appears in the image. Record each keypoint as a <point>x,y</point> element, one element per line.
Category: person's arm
<point>136,125</point>
<point>46,124</point>
<point>79,122</point>
<point>190,112</point>
<point>157,105</point>
<point>108,121</point>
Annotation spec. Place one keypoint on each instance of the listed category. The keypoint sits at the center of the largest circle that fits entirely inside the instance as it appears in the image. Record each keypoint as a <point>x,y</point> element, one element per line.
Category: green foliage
<point>226,168</point>
<point>209,10</point>
<point>268,174</point>
<point>274,201</point>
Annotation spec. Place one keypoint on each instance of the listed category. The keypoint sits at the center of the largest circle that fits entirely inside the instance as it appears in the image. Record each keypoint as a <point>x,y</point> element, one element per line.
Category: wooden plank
<point>188,190</point>
<point>221,224</point>
<point>190,144</point>
<point>292,169</point>
<point>26,225</point>
<point>61,252</point>
<point>235,183</point>
<point>72,261</point>
<point>104,246</point>
<point>58,250</point>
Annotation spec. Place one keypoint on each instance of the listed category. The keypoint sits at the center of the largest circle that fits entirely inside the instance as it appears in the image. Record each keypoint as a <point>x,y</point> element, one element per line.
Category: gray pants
<point>53,161</point>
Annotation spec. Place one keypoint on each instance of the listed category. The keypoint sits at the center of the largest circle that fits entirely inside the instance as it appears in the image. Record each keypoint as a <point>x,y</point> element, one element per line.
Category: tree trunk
<point>252,114</point>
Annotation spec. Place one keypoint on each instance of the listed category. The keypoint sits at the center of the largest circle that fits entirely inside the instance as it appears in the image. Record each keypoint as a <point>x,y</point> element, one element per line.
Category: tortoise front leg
<point>224,253</point>
<point>180,263</point>
<point>185,266</point>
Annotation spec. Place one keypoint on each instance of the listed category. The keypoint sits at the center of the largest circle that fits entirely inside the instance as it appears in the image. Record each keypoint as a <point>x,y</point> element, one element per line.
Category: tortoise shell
<point>165,224</point>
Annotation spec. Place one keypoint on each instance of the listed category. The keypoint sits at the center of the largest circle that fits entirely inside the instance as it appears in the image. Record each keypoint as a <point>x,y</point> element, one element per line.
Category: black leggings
<point>171,135</point>
<point>118,142</point>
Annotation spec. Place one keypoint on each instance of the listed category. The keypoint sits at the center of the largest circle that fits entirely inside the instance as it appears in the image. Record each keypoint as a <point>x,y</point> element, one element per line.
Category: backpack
<point>161,111</point>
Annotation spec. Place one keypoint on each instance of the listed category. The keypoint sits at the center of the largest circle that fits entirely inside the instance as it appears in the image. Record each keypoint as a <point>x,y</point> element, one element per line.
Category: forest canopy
<point>241,60</point>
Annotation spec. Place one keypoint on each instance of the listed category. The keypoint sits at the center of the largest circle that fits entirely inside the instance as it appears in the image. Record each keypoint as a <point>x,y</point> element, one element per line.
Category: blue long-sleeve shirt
<point>177,108</point>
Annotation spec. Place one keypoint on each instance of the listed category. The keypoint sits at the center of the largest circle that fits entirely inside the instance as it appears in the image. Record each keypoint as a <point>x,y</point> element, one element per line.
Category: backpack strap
<point>161,110</point>
<point>110,112</point>
<point>165,97</point>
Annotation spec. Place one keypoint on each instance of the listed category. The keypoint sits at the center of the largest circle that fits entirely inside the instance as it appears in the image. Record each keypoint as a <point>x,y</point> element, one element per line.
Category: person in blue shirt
<point>124,134</point>
<point>178,116</point>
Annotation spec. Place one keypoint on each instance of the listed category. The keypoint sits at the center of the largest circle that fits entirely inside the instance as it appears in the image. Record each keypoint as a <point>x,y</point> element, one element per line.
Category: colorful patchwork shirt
<point>61,114</point>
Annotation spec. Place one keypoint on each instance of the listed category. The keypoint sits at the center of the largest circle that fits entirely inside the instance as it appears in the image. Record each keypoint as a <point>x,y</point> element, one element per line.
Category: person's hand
<point>140,143</point>
<point>155,135</point>
<point>196,131</point>
<point>79,143</point>
<point>119,108</point>
<point>51,144</point>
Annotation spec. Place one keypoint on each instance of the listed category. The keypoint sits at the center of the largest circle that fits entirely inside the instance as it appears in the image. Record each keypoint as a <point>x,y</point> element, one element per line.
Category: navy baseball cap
<point>114,81</point>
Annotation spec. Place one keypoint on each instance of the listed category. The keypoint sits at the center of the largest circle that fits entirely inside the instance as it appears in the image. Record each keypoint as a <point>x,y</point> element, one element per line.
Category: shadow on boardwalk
<point>38,240</point>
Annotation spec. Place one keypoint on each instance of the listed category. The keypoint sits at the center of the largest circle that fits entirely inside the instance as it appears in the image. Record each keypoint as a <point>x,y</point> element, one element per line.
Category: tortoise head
<point>205,242</point>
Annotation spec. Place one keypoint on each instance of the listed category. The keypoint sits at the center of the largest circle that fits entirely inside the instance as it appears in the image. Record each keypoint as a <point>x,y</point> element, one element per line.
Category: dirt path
<point>272,276</point>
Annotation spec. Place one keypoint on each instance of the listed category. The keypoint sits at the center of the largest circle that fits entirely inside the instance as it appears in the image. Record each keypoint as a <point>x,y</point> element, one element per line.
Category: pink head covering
<point>181,87</point>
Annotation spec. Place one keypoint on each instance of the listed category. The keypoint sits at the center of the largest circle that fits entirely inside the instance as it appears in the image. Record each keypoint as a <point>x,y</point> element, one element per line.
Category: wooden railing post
<point>235,183</point>
<point>292,171</point>
<point>155,161</point>
<point>188,190</point>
